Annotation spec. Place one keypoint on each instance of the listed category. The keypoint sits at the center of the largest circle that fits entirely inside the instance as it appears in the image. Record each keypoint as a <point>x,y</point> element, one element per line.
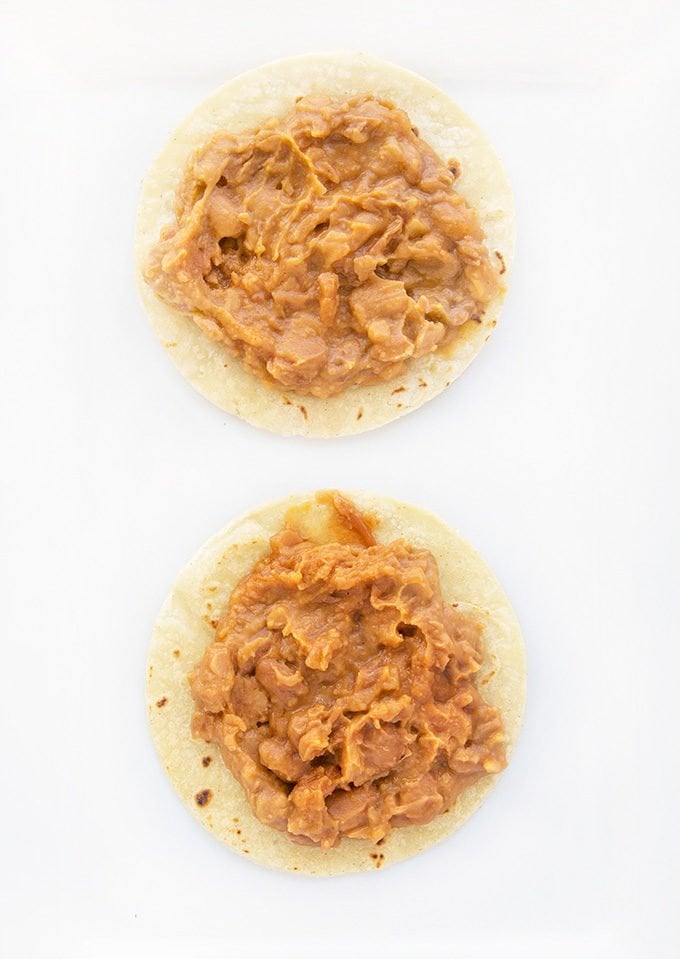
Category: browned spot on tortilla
<point>176,653</point>
<point>287,401</point>
<point>489,677</point>
<point>238,832</point>
<point>399,389</point>
<point>454,169</point>
<point>303,410</point>
<point>503,266</point>
<point>235,819</point>
<point>169,346</point>
<point>162,701</point>
<point>203,797</point>
<point>206,760</point>
<point>415,131</point>
<point>150,670</point>
<point>360,414</point>
<point>246,851</point>
<point>399,405</point>
<point>422,383</point>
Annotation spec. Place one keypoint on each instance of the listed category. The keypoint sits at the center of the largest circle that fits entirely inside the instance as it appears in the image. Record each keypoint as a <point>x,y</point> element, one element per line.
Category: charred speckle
<point>399,405</point>
<point>162,701</point>
<point>303,410</point>
<point>238,832</point>
<point>287,401</point>
<point>502,261</point>
<point>374,855</point>
<point>415,131</point>
<point>380,841</point>
<point>203,797</point>
<point>422,383</point>
<point>454,169</point>
<point>235,819</point>
<point>247,852</point>
<point>206,760</point>
<point>176,653</point>
<point>360,414</point>
<point>399,389</point>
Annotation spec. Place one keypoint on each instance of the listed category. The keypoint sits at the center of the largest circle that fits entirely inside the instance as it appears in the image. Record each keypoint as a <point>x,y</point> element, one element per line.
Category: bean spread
<point>341,687</point>
<point>326,249</point>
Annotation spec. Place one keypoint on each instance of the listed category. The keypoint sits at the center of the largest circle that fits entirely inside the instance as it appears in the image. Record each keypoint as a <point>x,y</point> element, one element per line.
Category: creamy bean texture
<point>341,687</point>
<point>326,249</point>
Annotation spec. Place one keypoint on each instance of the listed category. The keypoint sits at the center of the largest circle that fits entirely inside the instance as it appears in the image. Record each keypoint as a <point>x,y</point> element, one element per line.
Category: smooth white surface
<point>555,454</point>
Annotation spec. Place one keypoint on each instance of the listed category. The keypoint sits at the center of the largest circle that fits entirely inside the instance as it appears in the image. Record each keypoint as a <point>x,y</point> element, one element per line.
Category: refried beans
<point>341,687</point>
<point>326,249</point>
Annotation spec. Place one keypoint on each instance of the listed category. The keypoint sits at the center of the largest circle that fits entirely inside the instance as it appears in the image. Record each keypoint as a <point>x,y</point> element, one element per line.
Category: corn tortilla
<point>183,631</point>
<point>246,102</point>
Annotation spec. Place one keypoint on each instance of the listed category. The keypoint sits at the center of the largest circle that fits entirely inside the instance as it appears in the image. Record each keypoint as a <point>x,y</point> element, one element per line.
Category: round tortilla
<point>183,631</point>
<point>244,103</point>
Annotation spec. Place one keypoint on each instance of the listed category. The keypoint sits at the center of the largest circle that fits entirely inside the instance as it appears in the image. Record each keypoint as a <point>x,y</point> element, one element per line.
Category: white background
<point>556,454</point>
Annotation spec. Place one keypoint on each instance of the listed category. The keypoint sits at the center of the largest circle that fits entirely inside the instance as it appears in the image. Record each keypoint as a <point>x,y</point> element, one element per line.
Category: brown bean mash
<point>340,687</point>
<point>326,249</point>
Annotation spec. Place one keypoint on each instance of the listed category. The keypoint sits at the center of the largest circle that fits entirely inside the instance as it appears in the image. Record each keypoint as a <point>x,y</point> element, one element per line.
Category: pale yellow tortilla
<point>244,103</point>
<point>182,632</point>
